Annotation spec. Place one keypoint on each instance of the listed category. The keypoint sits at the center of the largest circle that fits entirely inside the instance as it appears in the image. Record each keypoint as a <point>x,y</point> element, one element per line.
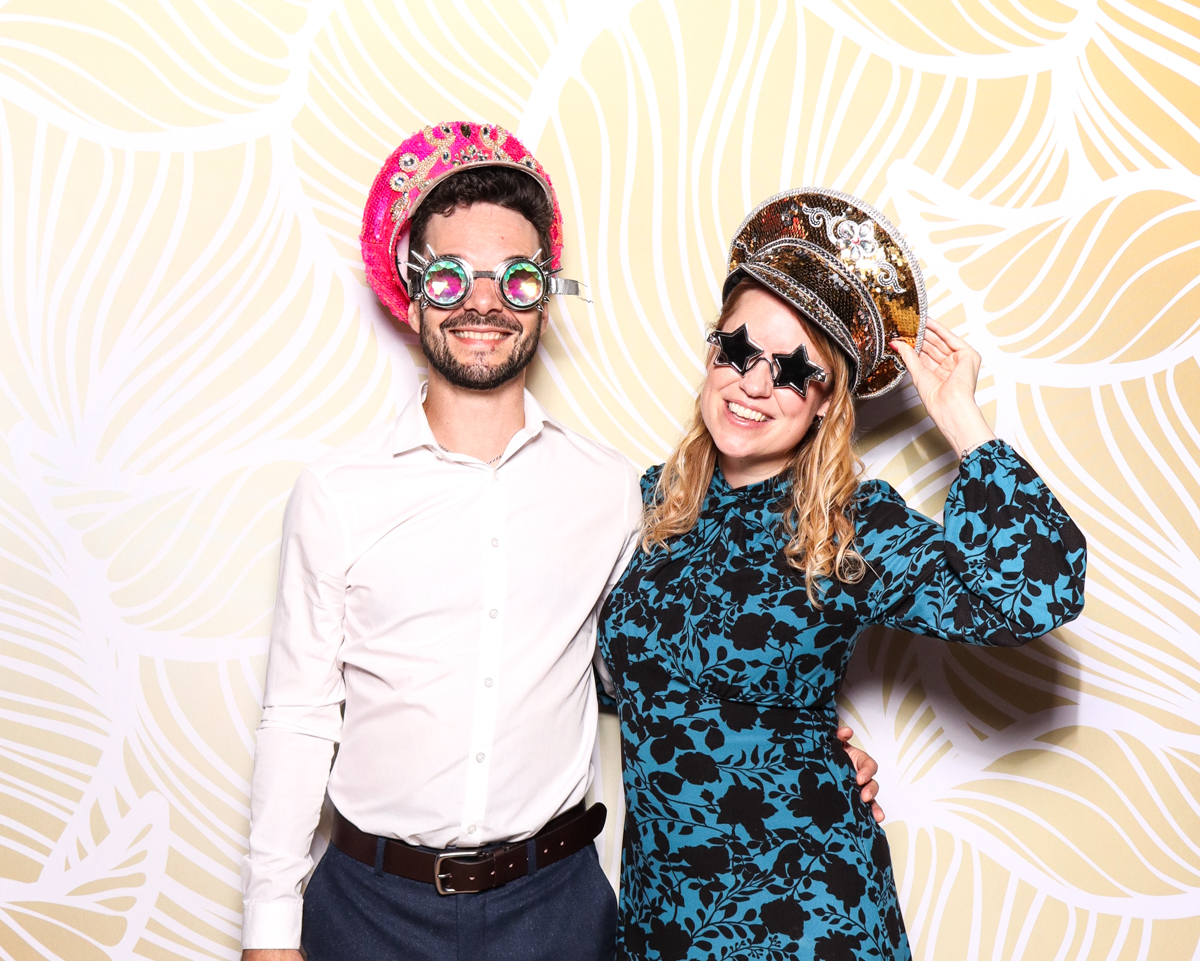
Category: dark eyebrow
<point>453,253</point>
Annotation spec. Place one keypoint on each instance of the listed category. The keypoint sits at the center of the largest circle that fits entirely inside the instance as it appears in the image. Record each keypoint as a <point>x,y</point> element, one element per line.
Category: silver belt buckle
<point>437,870</point>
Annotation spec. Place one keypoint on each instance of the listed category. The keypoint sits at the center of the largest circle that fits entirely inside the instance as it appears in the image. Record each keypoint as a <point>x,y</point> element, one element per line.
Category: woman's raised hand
<point>945,373</point>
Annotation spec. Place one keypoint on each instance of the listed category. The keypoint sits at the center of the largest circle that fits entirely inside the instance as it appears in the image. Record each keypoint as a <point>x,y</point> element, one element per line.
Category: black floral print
<point>746,836</point>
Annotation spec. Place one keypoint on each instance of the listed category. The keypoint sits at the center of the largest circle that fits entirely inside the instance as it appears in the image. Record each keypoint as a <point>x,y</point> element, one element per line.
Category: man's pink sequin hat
<point>420,162</point>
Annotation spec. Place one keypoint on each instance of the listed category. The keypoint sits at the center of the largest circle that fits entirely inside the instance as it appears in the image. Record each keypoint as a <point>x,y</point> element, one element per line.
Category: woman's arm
<point>945,373</point>
<point>1008,565</point>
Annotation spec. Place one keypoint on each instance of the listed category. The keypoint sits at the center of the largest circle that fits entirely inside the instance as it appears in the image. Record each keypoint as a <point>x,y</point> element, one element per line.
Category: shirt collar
<point>412,427</point>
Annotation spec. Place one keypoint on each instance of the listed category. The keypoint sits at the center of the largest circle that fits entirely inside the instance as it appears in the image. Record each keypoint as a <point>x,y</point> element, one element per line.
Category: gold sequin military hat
<point>844,266</point>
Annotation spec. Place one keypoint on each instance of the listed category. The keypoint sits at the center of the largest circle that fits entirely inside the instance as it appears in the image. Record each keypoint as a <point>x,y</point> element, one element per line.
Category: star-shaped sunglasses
<point>735,349</point>
<point>523,283</point>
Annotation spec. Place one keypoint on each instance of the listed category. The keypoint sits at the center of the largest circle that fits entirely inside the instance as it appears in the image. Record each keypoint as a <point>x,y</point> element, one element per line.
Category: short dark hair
<point>503,186</point>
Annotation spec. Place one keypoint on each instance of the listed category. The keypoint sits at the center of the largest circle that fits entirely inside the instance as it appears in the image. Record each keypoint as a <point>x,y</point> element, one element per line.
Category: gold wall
<point>185,323</point>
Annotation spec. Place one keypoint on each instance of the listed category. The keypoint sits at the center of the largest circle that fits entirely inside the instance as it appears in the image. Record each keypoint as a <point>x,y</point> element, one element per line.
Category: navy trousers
<point>563,912</point>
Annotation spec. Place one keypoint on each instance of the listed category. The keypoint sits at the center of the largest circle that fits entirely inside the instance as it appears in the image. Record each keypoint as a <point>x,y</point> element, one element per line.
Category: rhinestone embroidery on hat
<point>857,246</point>
<point>413,177</point>
<point>414,173</point>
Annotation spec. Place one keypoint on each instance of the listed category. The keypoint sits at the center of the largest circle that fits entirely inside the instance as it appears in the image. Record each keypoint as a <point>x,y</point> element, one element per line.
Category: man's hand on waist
<point>864,770</point>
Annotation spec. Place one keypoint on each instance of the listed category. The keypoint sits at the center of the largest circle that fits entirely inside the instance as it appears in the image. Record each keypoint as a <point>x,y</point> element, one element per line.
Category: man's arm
<point>301,721</point>
<point>271,954</point>
<point>865,770</point>
<point>290,773</point>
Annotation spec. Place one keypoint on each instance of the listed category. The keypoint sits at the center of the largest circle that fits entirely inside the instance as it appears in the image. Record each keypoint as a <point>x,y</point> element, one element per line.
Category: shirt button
<point>495,542</point>
<point>487,682</point>
<point>493,613</point>
<point>479,757</point>
<point>471,829</point>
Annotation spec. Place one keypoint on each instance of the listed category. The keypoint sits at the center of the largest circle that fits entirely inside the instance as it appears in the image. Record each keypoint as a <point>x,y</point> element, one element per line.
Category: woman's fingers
<point>939,329</point>
<point>907,354</point>
<point>941,349</point>
<point>919,365</point>
<point>936,346</point>
<point>952,341</point>
<point>932,336</point>
<point>934,351</point>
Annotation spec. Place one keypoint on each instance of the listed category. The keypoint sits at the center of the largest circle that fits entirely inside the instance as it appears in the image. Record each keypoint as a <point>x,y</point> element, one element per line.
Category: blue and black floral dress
<point>746,836</point>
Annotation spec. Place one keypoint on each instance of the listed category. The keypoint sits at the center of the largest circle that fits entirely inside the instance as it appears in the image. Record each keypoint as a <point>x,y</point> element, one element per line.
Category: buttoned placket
<point>486,687</point>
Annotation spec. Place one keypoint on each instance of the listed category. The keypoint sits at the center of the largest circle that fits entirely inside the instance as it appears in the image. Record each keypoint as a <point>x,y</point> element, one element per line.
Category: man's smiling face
<point>482,342</point>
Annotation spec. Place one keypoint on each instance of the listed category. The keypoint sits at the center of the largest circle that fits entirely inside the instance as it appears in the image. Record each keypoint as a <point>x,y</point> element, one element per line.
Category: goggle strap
<point>569,288</point>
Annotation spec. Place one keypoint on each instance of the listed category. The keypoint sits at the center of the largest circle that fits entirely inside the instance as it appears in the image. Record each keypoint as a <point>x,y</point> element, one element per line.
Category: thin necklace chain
<point>489,463</point>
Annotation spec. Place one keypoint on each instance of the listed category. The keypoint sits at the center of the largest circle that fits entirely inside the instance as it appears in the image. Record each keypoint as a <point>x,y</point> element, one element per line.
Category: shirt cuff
<point>272,924</point>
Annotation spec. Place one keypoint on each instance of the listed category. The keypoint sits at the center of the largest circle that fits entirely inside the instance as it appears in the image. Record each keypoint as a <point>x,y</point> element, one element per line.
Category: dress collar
<point>750,497</point>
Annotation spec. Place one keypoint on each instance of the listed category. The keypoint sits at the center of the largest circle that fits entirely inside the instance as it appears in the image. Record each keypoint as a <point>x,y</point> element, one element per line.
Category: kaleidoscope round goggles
<point>735,349</point>
<point>523,283</point>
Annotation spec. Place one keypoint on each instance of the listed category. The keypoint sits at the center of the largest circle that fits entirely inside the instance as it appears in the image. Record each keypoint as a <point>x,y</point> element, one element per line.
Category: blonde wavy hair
<point>818,517</point>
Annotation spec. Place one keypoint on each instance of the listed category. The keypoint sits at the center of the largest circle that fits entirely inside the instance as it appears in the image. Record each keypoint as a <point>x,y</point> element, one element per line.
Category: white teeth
<point>745,412</point>
<point>476,334</point>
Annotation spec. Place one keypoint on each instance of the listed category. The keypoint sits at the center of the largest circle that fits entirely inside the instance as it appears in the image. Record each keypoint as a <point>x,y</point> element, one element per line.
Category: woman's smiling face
<point>755,425</point>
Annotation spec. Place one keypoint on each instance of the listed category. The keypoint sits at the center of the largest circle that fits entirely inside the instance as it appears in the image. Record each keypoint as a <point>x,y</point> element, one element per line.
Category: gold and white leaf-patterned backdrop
<point>185,324</point>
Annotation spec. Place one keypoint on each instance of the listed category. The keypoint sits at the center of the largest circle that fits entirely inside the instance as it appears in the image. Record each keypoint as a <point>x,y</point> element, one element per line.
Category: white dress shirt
<point>451,608</point>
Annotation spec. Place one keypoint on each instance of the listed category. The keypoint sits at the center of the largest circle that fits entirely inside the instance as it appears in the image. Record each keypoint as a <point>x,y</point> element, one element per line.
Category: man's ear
<point>414,316</point>
<point>545,315</point>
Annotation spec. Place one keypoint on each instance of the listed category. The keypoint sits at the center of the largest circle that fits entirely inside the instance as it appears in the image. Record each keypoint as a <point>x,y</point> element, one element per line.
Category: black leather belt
<point>466,871</point>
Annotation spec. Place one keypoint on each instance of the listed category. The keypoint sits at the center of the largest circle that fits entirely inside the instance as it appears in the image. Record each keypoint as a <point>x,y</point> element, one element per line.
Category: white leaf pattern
<point>185,323</point>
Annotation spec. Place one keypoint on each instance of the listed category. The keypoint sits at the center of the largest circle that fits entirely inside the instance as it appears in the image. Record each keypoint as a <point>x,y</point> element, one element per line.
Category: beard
<point>477,376</point>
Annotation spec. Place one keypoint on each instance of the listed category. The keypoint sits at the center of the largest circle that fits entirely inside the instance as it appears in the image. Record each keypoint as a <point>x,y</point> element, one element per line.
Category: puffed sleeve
<point>1008,565</point>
